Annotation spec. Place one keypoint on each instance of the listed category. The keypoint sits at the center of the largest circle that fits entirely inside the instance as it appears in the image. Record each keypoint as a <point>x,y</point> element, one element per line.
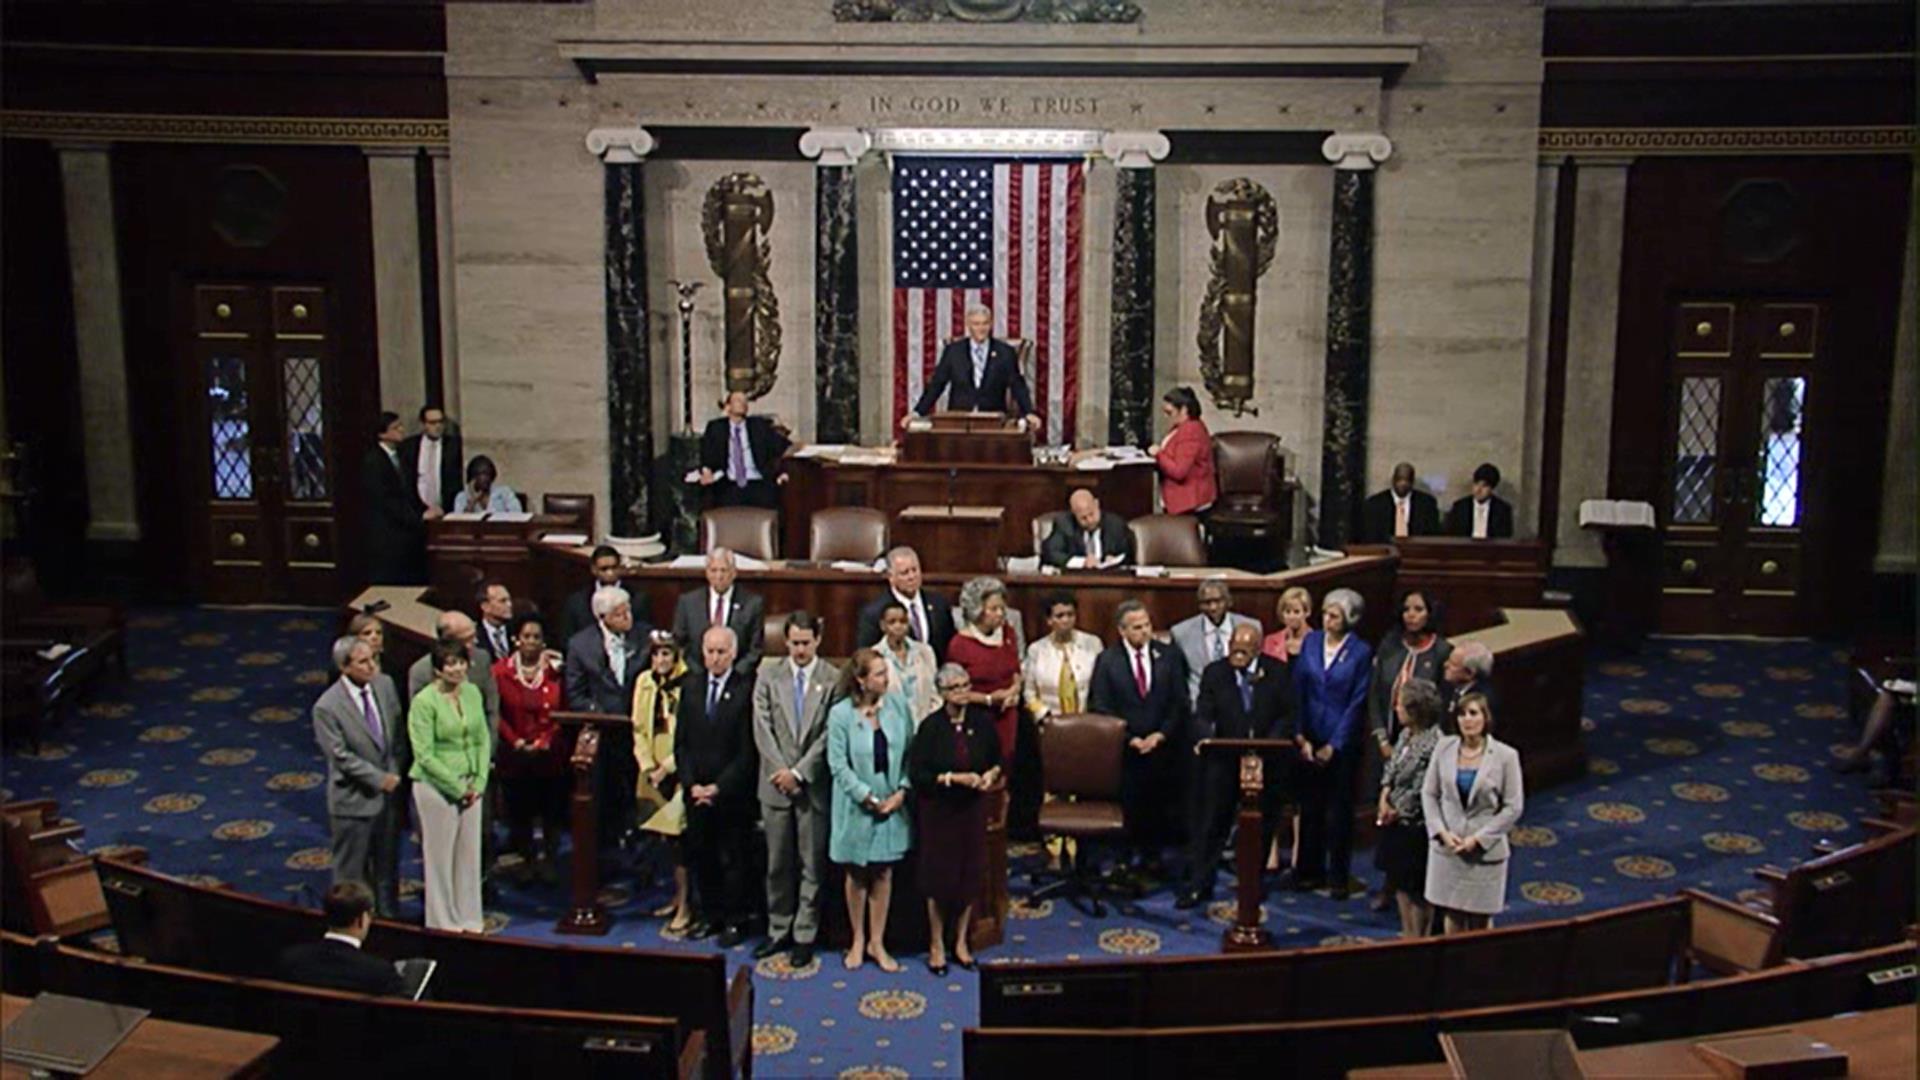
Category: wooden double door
<point>1740,456</point>
<point>267,444</point>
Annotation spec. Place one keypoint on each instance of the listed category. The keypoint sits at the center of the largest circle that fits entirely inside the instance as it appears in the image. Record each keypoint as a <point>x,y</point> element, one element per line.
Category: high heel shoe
<point>939,970</point>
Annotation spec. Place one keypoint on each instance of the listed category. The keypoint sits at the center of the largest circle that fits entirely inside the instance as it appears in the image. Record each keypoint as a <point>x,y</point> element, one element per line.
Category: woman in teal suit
<point>867,735</point>
<point>452,754</point>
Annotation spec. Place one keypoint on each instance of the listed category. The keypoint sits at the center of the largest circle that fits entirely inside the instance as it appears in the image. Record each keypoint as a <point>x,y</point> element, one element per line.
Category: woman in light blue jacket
<point>868,731</point>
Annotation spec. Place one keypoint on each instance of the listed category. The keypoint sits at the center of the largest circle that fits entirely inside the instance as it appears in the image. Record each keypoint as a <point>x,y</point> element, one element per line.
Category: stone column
<point>86,180</point>
<point>443,238</point>
<point>1130,391</point>
<point>836,283</point>
<point>1593,320</point>
<point>392,189</point>
<point>1343,456</point>
<point>629,364</point>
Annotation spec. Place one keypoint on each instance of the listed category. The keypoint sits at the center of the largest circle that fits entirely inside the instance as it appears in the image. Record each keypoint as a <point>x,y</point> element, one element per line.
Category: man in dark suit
<point>396,535</point>
<point>362,731</point>
<point>1468,670</point>
<point>1482,515</point>
<point>1087,533</point>
<point>435,470</point>
<point>721,604</point>
<point>713,752</point>
<point>741,457</point>
<point>982,374</point>
<point>1243,695</point>
<point>929,615</point>
<point>602,662</point>
<point>1400,511</point>
<point>1144,682</point>
<point>576,614</point>
<point>335,962</point>
<point>496,611</point>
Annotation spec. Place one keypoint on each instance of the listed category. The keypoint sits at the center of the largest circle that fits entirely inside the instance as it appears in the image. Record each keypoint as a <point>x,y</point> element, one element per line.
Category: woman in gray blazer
<point>1473,795</point>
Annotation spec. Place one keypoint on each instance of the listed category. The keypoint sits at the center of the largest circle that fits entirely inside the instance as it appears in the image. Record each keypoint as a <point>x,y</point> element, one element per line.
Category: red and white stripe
<point>1038,228</point>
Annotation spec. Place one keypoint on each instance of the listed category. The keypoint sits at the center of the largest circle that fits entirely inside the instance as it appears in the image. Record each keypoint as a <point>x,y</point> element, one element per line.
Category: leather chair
<point>1248,510</point>
<point>752,531</point>
<point>580,506</point>
<point>776,633</point>
<point>852,533</point>
<point>1080,764</point>
<point>1168,540</point>
<point>1043,528</point>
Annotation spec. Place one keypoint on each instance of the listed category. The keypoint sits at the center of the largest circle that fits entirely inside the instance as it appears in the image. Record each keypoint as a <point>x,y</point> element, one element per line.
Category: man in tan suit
<point>790,702</point>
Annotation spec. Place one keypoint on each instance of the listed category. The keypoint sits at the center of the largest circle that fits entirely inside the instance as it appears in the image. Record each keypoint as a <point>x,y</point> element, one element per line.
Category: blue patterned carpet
<point>1708,759</point>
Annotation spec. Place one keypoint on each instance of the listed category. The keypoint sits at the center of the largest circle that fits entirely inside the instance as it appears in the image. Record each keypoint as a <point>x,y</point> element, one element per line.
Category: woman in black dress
<point>953,762</point>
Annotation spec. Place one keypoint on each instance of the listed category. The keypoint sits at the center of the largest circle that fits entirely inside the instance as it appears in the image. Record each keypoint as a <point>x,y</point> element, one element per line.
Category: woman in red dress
<point>1185,456</point>
<point>986,647</point>
<point>532,760</point>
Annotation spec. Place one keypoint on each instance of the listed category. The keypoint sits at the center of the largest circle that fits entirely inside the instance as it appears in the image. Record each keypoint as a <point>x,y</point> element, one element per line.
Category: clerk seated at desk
<point>1400,511</point>
<point>741,457</point>
<point>1087,537</point>
<point>978,374</point>
<point>1482,515</point>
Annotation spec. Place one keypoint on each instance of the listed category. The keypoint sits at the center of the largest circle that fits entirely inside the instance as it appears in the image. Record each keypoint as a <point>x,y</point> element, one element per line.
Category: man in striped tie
<point>742,457</point>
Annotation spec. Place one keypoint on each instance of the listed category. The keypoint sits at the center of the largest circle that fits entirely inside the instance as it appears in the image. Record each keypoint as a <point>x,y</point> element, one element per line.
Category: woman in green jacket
<point>452,754</point>
<point>867,736</point>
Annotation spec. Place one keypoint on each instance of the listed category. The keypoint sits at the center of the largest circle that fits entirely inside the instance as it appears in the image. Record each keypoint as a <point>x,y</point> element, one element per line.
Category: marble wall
<point>1899,551</point>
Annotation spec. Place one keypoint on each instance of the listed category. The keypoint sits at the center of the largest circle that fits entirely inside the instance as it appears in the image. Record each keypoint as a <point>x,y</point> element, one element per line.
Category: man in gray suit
<point>790,702</point>
<point>1208,636</point>
<point>362,732</point>
<point>721,604</point>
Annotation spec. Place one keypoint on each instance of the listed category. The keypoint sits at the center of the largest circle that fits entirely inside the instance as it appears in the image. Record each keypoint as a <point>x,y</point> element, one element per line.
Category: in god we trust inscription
<point>1021,106</point>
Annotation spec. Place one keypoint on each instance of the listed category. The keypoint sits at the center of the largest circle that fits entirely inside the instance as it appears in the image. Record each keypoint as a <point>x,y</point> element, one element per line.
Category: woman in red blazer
<point>1185,456</point>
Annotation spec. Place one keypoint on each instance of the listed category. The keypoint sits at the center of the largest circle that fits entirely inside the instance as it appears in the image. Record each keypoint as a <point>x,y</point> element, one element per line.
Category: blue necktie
<point>1246,692</point>
<point>713,693</point>
<point>799,702</point>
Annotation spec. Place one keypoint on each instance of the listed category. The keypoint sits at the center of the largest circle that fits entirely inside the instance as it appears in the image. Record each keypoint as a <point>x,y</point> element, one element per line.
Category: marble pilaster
<point>836,278</point>
<point>1343,459</point>
<point>86,180</point>
<point>1130,370</point>
<point>394,209</point>
<point>443,240</point>
<point>629,360</point>
<point>1593,319</point>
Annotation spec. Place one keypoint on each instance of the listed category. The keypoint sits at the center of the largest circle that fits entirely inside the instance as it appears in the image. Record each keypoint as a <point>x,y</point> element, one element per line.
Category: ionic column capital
<point>835,146</point>
<point>620,146</point>
<point>1357,151</point>
<point>1135,149</point>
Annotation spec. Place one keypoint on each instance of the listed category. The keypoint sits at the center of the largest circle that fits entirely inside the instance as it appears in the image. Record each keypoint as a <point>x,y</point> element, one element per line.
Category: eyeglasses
<point>956,686</point>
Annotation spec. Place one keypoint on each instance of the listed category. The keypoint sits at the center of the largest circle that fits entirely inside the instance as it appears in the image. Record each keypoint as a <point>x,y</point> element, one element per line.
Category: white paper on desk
<point>1026,564</point>
<point>1094,463</point>
<point>513,516</point>
<point>465,515</point>
<point>1625,513</point>
<point>564,539</point>
<point>1317,555</point>
<point>1150,571</point>
<point>54,651</point>
<point>747,562</point>
<point>692,477</point>
<point>690,562</point>
<point>878,566</point>
<point>825,450</point>
<point>867,457</point>
<point>1126,454</point>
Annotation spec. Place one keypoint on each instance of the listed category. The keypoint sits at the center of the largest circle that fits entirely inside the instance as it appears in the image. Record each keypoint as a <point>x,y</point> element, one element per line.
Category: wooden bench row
<point>222,932</point>
<point>1844,899</point>
<point>1794,991</point>
<point>326,1033</point>
<point>1632,947</point>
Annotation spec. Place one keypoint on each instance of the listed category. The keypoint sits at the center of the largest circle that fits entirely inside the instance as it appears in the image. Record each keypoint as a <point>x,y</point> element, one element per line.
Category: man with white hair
<point>1468,670</point>
<point>362,730</point>
<point>723,603</point>
<point>602,662</point>
<point>929,615</point>
<point>979,374</point>
<point>459,628</point>
<point>714,756</point>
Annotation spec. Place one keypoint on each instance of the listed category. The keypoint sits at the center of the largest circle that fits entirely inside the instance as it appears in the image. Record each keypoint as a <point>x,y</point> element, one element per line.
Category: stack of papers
<point>878,566</point>
<point>1151,571</point>
<point>1621,513</point>
<point>564,539</point>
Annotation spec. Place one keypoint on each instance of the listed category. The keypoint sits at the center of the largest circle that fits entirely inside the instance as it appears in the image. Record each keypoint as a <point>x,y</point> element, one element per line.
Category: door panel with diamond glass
<point>1733,517</point>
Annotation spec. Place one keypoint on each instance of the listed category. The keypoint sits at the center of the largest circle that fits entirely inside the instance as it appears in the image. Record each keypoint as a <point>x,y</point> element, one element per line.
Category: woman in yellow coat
<point>656,701</point>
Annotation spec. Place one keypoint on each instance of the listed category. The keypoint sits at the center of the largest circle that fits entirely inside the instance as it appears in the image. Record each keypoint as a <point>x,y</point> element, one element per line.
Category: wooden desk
<point>1539,677</point>
<point>461,554</point>
<point>1026,490</point>
<point>964,539</point>
<point>1878,1043</point>
<point>971,438</point>
<point>164,1050</point>
<point>1472,579</point>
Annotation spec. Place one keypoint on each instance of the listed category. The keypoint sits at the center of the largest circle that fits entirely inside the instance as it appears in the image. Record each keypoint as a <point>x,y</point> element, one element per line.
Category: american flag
<point>996,233</point>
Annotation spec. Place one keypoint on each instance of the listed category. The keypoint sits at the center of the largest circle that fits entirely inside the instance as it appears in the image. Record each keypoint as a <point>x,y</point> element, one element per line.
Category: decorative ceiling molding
<point>1702,141</point>
<point>144,127</point>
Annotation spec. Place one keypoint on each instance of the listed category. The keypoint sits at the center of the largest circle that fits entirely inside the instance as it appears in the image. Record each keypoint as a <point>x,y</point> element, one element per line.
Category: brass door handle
<point>236,539</point>
<point>1689,567</point>
<point>1769,568</point>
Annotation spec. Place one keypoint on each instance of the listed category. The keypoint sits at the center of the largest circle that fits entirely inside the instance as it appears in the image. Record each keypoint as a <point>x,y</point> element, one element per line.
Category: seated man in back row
<point>982,373</point>
<point>335,962</point>
<point>1087,536</point>
<point>743,458</point>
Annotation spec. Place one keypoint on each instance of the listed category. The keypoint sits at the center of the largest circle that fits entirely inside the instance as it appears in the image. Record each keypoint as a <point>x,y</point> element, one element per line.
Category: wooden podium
<point>967,438</point>
<point>958,539</point>
<point>1249,851</point>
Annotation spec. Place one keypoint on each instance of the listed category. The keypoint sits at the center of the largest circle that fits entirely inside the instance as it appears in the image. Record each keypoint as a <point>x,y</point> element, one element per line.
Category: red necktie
<point>719,611</point>
<point>1139,674</point>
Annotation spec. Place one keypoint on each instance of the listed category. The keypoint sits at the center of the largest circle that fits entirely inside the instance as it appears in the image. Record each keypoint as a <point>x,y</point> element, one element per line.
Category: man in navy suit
<point>719,765</point>
<point>981,372</point>
<point>742,457</point>
<point>335,962</point>
<point>1144,682</point>
<point>1243,695</point>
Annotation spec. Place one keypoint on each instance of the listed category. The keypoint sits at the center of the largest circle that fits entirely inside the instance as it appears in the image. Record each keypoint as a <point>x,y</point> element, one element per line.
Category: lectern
<point>1249,854</point>
<point>967,438</point>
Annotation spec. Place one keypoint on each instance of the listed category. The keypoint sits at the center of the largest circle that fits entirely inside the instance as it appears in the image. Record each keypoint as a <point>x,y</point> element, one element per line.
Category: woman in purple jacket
<point>1335,669</point>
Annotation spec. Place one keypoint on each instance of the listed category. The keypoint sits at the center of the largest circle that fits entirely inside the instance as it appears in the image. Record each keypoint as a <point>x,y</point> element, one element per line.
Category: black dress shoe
<point>769,947</point>
<point>1189,900</point>
<point>1341,891</point>
<point>801,956</point>
<point>730,937</point>
<point>701,928</point>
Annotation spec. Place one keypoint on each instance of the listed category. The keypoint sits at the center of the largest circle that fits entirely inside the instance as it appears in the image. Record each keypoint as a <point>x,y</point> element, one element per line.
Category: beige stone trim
<point>1697,141</point>
<point>142,127</point>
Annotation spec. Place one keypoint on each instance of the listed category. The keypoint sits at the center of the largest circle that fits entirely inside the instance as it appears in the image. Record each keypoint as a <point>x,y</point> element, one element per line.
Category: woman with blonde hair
<point>868,732</point>
<point>1473,796</point>
<point>656,701</point>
